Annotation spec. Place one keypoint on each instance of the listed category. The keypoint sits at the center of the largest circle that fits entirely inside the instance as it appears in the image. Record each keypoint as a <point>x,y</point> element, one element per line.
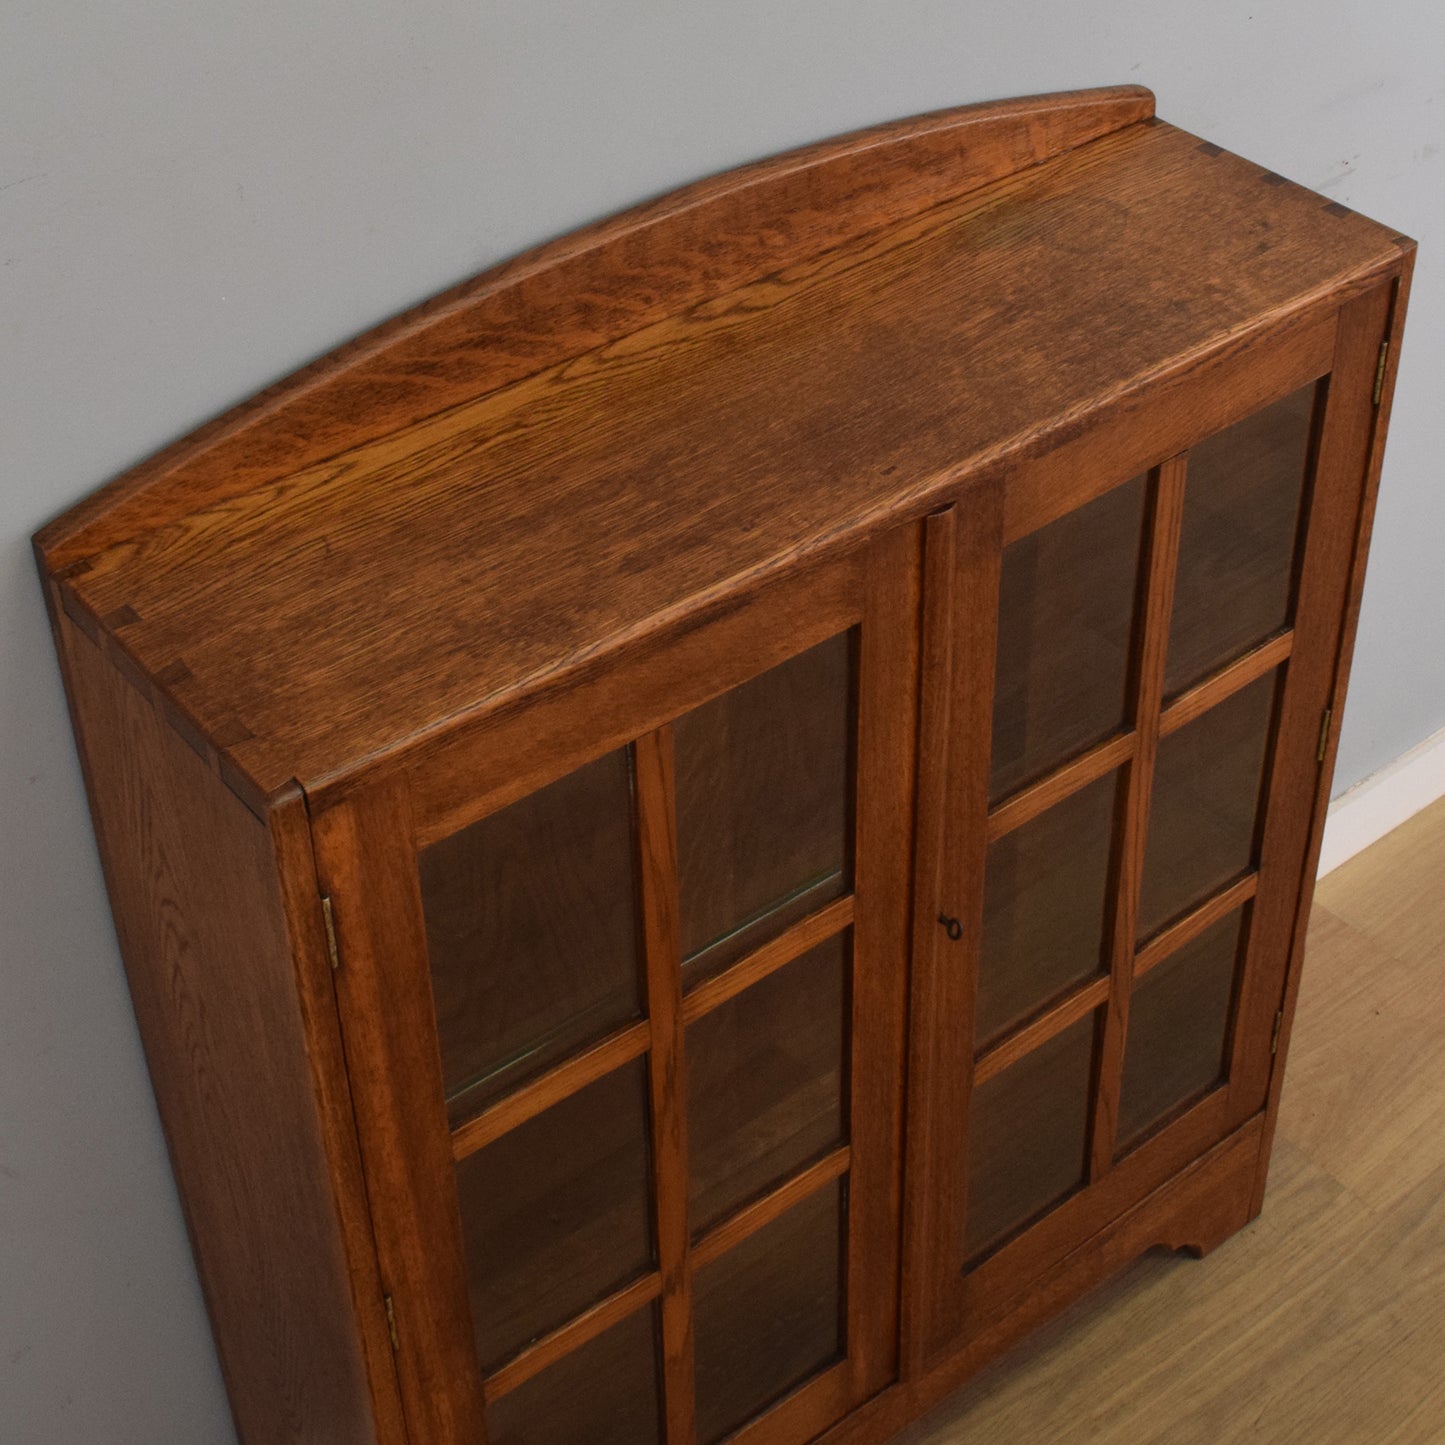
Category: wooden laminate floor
<point>1324,1321</point>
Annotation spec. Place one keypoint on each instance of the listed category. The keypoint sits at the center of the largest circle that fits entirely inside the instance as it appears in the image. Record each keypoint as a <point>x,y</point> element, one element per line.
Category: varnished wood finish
<point>240,1037</point>
<point>960,624</point>
<point>995,1059</point>
<point>1166,513</point>
<point>543,520</point>
<point>1025,805</point>
<point>926,1138</point>
<point>593,287</point>
<point>1291,807</point>
<point>574,1334</point>
<point>1399,295</point>
<point>1322,1322</point>
<point>889,664</point>
<point>772,956</point>
<point>563,724</point>
<point>574,456</point>
<point>1170,940</point>
<point>365,864</point>
<point>1196,1210</point>
<point>1227,681</point>
<point>531,1099</point>
<point>752,1217</point>
<point>667,1083</point>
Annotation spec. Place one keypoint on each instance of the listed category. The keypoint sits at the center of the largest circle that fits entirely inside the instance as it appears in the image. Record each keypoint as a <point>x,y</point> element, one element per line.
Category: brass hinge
<point>1274,1037</point>
<point>1324,735</point>
<point>329,919</point>
<point>391,1321</point>
<point>1380,371</point>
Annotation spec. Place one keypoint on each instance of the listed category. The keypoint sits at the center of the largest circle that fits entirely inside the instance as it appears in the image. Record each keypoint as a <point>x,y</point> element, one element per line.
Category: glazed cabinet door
<point>622,978</point>
<point>1120,771</point>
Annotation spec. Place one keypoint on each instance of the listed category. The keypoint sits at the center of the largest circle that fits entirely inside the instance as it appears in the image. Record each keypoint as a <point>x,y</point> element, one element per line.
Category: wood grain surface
<point>563,509</point>
<point>590,287</point>
<point>246,1071</point>
<point>1324,1322</point>
<point>352,605</point>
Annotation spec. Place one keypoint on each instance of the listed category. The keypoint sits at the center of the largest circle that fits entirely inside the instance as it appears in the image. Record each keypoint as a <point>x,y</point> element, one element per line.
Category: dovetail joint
<point>1274,1037</point>
<point>1380,371</point>
<point>1324,735</point>
<point>330,921</point>
<point>391,1320</point>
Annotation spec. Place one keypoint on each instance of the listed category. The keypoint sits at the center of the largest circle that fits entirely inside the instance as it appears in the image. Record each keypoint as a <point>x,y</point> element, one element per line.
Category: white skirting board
<point>1383,801</point>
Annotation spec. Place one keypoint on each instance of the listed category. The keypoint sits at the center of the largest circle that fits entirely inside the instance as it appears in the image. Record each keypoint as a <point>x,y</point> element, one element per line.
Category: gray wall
<point>197,197</point>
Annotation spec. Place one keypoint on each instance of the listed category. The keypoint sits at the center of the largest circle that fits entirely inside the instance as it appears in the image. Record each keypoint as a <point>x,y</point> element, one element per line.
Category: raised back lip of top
<point>584,290</point>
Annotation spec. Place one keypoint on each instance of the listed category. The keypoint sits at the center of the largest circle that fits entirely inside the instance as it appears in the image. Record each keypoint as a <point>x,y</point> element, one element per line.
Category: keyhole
<point>951,926</point>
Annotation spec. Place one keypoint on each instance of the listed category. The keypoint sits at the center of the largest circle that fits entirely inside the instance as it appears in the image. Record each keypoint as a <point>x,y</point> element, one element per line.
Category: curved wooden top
<point>581,291</point>
<point>604,437</point>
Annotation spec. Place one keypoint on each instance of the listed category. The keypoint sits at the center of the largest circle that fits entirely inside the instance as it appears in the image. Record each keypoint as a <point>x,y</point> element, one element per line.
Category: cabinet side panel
<point>199,916</point>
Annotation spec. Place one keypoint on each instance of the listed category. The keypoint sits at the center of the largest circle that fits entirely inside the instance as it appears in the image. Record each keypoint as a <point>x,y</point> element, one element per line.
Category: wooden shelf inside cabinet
<point>714,823</point>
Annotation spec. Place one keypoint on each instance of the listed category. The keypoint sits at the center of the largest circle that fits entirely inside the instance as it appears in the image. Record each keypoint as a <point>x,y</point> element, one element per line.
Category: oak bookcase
<point>714,824</point>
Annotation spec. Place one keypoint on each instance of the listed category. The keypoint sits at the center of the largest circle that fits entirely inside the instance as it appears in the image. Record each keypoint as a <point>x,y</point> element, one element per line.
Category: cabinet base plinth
<point>1194,1212</point>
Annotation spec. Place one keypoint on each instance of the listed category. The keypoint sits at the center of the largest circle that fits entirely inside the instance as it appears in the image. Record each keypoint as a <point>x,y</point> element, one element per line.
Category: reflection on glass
<point>1243,496</point>
<point>556,1214</point>
<point>603,1393</point>
<point>1205,804</point>
<point>769,1313</point>
<point>764,801</point>
<point>1027,1130</point>
<point>1066,613</point>
<point>765,1078</point>
<point>531,920</point>
<point>1179,1028</point>
<point>1045,896</point>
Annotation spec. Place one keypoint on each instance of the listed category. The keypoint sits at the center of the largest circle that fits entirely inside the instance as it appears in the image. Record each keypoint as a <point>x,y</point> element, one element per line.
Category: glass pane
<point>1178,1028</point>
<point>557,1213</point>
<point>1205,804</point>
<point>531,920</point>
<point>764,790</point>
<point>765,1081</point>
<point>1027,1130</point>
<point>769,1313</point>
<point>1066,613</point>
<point>1242,501</point>
<point>1046,893</point>
<point>604,1393</point>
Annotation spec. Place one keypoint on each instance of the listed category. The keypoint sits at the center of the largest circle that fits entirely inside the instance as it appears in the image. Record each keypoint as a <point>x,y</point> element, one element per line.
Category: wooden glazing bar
<point>1026,804</point>
<point>1188,928</point>
<point>752,1217</point>
<point>573,1335</point>
<point>667,1083</point>
<point>550,1088</point>
<point>1025,1040</point>
<point>799,1414</point>
<point>792,943</point>
<point>1166,523</point>
<point>1239,674</point>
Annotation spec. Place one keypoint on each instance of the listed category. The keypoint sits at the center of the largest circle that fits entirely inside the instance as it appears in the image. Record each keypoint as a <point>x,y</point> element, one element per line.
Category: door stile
<point>962,561</point>
<point>366,864</point>
<point>667,1084</point>
<point>926,1183</point>
<point>1339,494</point>
<point>1397,290</point>
<point>1164,528</point>
<point>885,763</point>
